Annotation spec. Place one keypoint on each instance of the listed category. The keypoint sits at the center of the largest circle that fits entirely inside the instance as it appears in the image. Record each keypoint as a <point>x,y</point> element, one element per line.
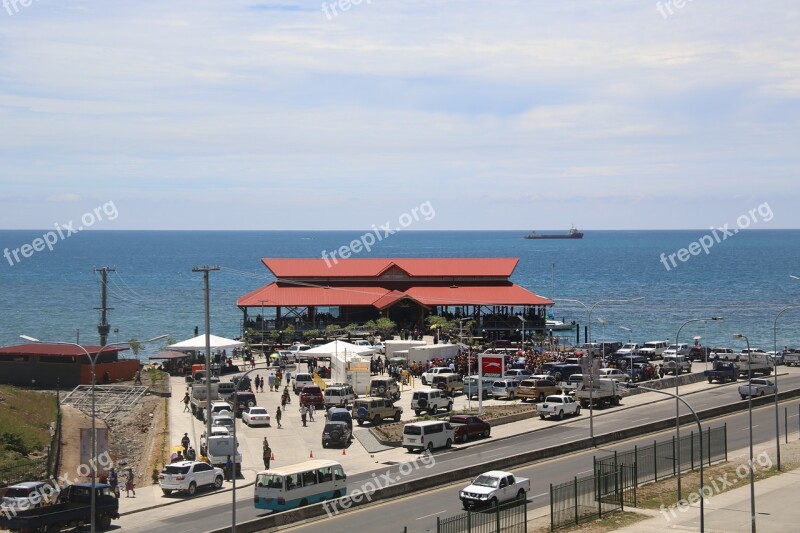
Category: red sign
<point>491,365</point>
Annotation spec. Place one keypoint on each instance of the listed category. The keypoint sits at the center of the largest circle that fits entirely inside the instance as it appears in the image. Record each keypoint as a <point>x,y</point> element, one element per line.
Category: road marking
<point>584,472</point>
<point>542,494</point>
<point>432,514</point>
<point>641,419</point>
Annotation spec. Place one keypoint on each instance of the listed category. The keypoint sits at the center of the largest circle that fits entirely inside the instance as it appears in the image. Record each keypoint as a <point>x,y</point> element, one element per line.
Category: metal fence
<point>660,459</point>
<point>615,477</point>
<point>511,517</point>
<point>26,470</point>
<point>591,496</point>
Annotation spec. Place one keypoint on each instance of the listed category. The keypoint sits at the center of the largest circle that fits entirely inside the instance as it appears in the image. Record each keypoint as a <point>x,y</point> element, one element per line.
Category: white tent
<point>199,343</point>
<point>339,347</point>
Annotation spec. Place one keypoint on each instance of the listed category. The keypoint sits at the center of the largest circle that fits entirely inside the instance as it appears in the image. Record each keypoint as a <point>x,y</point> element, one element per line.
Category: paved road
<point>198,515</point>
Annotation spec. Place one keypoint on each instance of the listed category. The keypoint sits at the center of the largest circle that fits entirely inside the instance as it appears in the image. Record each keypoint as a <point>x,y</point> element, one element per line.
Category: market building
<point>315,293</point>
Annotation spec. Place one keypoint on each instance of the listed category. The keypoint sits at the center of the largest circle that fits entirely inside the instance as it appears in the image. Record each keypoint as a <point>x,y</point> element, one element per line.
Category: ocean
<point>52,294</point>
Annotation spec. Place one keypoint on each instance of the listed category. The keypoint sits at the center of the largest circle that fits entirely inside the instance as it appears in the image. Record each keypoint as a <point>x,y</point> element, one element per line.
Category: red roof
<point>57,350</point>
<point>274,295</point>
<point>487,295</point>
<point>414,267</point>
<point>292,296</point>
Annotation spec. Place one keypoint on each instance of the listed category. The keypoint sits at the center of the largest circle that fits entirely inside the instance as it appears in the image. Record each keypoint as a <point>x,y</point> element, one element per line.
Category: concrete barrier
<point>467,473</point>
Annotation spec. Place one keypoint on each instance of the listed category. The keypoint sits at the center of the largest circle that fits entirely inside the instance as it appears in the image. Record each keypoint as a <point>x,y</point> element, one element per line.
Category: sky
<point>309,115</point>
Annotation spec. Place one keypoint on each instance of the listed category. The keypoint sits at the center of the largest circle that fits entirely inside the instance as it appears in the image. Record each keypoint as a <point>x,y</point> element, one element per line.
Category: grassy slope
<point>25,418</point>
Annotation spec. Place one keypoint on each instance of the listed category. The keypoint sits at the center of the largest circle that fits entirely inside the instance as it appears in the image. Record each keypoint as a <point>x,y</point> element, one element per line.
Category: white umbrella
<point>199,343</point>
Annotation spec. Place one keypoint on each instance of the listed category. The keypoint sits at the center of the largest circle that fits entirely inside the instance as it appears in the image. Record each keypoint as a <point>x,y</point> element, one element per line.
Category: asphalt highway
<point>419,512</point>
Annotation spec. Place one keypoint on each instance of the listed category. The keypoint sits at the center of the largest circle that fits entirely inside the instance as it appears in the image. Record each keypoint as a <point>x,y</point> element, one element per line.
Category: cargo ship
<point>573,233</point>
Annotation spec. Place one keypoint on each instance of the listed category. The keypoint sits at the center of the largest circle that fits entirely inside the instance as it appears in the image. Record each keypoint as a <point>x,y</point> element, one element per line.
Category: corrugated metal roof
<point>374,267</point>
<point>292,296</point>
<point>486,295</point>
<point>57,350</point>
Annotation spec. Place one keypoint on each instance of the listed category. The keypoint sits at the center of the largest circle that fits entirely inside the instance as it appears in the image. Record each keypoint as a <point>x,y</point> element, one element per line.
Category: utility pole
<point>103,328</point>
<point>205,270</point>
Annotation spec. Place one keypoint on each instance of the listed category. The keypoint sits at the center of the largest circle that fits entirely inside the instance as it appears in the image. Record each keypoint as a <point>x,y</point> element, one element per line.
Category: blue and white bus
<point>278,489</point>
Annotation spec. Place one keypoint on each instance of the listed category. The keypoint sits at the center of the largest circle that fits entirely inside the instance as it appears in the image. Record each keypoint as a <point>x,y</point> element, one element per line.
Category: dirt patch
<point>394,431</point>
<point>134,437</point>
<point>610,522</point>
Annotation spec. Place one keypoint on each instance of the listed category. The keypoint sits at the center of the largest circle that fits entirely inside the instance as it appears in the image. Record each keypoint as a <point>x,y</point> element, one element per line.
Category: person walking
<point>288,378</point>
<point>267,453</point>
<point>311,410</point>
<point>191,454</point>
<point>185,441</point>
<point>186,401</point>
<point>257,382</point>
<point>278,417</point>
<point>113,481</point>
<point>137,380</point>
<point>271,381</point>
<point>262,385</point>
<point>228,468</point>
<point>303,414</point>
<point>130,486</point>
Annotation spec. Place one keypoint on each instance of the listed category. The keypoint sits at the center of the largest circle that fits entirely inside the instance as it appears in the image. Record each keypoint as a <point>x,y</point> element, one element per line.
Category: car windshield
<point>485,481</point>
<point>258,411</point>
<point>18,492</point>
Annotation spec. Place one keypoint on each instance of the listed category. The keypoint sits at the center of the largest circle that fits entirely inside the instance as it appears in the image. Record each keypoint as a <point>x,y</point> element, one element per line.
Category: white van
<point>428,435</point>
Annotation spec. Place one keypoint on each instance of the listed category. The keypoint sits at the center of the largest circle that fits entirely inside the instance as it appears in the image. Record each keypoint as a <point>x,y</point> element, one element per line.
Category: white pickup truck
<point>757,387</point>
<point>493,488</point>
<point>558,405</point>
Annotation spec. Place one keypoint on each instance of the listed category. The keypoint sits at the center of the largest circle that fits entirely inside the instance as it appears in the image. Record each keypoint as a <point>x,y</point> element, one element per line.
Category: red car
<point>467,426</point>
<point>312,395</point>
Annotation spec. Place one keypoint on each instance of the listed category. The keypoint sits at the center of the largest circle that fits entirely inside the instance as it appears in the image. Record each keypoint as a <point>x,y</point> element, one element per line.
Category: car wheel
<point>251,403</point>
<point>541,417</point>
<point>577,410</point>
<point>104,522</point>
<point>417,412</point>
<point>376,420</point>
<point>166,492</point>
<point>710,380</point>
<point>432,410</point>
<point>449,443</point>
<point>397,416</point>
<point>744,397</point>
<point>487,433</point>
<point>521,496</point>
<point>424,381</point>
<point>561,415</point>
<point>430,447</point>
<point>450,406</point>
<point>192,488</point>
<point>381,391</point>
<point>360,422</point>
<point>324,444</point>
<point>218,482</point>
<point>493,502</point>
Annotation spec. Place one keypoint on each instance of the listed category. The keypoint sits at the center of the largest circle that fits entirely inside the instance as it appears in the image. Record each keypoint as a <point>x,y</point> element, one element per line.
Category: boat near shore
<point>573,233</point>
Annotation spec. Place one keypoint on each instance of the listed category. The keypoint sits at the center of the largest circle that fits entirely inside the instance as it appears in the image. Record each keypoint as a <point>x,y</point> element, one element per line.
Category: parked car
<point>676,349</point>
<point>312,395</point>
<point>244,400</point>
<point>384,387</point>
<point>504,388</point>
<point>629,348</point>
<point>536,389</point>
<point>301,380</point>
<point>188,476</point>
<point>675,364</point>
<point>426,377</point>
<point>430,400</point>
<point>26,495</point>
<point>337,433</point>
<point>448,383</point>
<point>614,373</point>
<point>653,349</point>
<point>428,435</point>
<point>339,395</point>
<point>340,414</point>
<point>256,416</point>
<point>517,373</point>
<point>471,387</point>
<point>376,410</point>
<point>468,426</point>
<point>223,420</point>
<point>558,405</point>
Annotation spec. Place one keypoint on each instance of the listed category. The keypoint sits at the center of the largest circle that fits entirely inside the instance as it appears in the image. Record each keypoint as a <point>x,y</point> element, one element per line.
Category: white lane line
<point>433,514</point>
<point>584,472</point>
<point>542,494</point>
<point>641,419</point>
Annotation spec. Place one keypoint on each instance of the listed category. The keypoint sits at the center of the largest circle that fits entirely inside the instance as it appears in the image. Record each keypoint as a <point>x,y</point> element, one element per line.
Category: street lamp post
<point>699,431</point>
<point>677,393</point>
<point>522,319</point>
<point>750,413</point>
<point>775,367</point>
<point>92,363</point>
<point>591,354</point>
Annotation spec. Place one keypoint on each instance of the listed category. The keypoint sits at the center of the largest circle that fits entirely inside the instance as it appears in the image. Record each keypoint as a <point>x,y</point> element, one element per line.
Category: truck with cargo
<point>72,510</point>
<point>222,446</point>
<point>601,392</point>
<point>722,371</point>
<point>200,400</point>
<point>755,364</point>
